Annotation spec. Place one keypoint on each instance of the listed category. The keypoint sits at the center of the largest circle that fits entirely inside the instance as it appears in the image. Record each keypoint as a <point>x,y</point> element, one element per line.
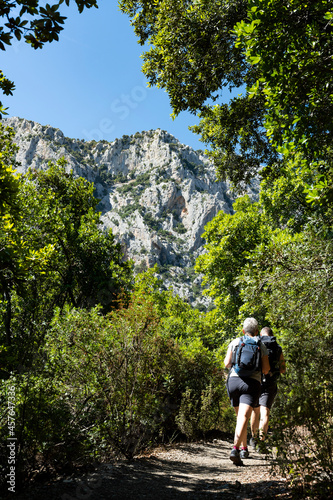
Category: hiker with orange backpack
<point>261,412</point>
<point>247,359</point>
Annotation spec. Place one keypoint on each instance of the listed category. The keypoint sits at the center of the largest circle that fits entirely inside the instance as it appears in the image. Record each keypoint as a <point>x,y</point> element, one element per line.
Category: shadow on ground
<point>187,472</point>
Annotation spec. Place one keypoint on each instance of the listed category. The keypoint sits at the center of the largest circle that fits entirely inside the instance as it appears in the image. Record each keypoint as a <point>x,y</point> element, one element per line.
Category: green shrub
<point>150,221</point>
<point>142,179</point>
<point>112,363</point>
<point>127,210</point>
<point>125,373</point>
<point>47,435</point>
<point>119,382</point>
<point>180,228</point>
<point>301,421</point>
<point>209,412</point>
<point>126,189</point>
<point>164,233</point>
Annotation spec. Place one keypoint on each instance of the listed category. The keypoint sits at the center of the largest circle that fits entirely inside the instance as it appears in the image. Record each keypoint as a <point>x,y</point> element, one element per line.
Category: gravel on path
<point>191,471</point>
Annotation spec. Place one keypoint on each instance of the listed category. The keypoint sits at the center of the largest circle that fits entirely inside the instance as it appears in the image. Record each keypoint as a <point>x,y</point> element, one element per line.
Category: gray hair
<point>250,325</point>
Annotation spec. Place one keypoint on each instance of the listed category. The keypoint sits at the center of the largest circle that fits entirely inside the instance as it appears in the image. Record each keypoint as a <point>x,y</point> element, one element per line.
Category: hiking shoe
<point>235,457</point>
<point>244,453</point>
<point>253,442</point>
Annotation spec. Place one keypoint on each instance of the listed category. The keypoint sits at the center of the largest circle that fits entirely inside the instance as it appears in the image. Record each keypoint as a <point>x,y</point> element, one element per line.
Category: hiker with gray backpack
<point>260,414</point>
<point>247,358</point>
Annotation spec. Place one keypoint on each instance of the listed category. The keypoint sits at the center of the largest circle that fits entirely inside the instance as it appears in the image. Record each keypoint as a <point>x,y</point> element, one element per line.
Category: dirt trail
<point>180,472</point>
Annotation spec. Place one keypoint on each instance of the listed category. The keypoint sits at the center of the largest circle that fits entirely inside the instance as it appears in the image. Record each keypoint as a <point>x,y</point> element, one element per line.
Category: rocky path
<point>180,472</point>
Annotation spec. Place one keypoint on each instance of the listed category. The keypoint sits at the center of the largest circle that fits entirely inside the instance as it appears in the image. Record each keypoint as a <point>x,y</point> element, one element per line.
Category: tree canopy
<point>290,44</point>
<point>278,53</point>
<point>54,253</point>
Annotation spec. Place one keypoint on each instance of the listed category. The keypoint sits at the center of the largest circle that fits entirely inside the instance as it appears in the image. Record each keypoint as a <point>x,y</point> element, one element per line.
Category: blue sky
<point>90,84</point>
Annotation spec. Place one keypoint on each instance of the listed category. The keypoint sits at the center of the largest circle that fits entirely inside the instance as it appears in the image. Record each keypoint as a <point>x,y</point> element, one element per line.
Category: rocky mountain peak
<point>155,193</point>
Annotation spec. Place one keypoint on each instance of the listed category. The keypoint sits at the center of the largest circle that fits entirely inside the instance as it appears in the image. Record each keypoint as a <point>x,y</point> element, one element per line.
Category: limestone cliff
<point>156,194</point>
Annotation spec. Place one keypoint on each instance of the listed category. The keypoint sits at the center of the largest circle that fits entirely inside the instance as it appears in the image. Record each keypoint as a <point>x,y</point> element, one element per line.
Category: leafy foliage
<point>17,259</point>
<point>116,382</point>
<point>199,415</point>
<point>291,47</point>
<point>292,278</point>
<point>278,54</point>
<point>129,376</point>
<point>93,271</point>
<point>194,57</point>
<point>237,137</point>
<point>61,257</point>
<point>230,241</point>
<point>8,179</point>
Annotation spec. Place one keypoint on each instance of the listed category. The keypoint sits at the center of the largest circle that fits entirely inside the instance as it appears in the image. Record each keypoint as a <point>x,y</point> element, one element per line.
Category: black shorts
<point>243,390</point>
<point>267,395</point>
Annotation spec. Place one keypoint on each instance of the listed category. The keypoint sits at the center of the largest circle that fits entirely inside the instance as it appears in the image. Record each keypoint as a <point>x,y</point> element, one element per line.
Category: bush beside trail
<point>112,384</point>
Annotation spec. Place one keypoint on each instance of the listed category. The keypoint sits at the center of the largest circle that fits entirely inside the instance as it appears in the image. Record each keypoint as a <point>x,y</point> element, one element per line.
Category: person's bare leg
<point>244,413</point>
<point>244,445</point>
<point>264,418</point>
<point>255,417</point>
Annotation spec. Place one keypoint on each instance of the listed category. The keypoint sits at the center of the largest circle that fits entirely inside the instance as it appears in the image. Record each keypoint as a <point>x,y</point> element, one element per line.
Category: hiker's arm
<point>265,367</point>
<point>282,363</point>
<point>228,358</point>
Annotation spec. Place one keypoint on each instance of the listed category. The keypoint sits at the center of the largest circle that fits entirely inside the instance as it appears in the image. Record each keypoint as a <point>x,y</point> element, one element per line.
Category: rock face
<point>156,194</point>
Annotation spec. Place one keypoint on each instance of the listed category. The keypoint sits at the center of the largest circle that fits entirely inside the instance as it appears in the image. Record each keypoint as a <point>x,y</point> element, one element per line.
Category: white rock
<point>162,194</point>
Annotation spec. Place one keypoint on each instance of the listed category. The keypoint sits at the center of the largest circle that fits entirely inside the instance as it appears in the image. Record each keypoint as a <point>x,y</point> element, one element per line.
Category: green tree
<point>88,263</point>
<point>9,184</point>
<point>291,277</point>
<point>194,57</point>
<point>9,245</point>
<point>278,53</point>
<point>290,44</point>
<point>82,266</point>
<point>36,22</point>
<point>230,240</point>
<point>16,259</point>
